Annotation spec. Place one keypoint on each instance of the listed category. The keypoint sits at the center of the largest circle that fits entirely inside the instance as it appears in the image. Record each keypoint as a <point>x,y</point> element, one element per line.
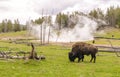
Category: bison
<point>80,49</point>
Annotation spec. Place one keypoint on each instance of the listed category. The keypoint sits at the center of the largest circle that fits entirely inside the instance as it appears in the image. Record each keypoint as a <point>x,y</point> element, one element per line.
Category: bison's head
<point>71,56</point>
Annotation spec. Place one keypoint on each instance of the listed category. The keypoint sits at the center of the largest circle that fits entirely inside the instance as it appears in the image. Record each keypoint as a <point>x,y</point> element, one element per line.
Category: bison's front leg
<point>80,57</point>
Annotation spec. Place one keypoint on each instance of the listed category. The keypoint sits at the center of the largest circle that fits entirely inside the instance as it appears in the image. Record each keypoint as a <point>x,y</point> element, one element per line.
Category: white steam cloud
<point>83,31</point>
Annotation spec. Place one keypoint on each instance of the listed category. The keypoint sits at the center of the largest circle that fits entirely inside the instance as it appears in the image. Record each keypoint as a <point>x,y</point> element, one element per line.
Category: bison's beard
<point>71,57</point>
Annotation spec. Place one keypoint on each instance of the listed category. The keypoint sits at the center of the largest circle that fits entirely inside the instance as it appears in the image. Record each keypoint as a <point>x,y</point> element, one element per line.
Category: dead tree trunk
<point>43,35</point>
<point>49,35</point>
<point>33,54</point>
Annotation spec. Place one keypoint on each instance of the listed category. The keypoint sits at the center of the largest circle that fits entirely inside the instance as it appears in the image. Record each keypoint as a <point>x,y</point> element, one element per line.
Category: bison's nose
<point>71,61</point>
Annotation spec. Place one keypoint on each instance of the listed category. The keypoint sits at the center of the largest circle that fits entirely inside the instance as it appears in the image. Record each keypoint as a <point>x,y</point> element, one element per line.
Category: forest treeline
<point>111,17</point>
<point>9,26</point>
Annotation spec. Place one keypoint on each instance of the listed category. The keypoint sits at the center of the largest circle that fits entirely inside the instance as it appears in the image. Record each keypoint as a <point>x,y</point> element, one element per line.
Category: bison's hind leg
<point>93,57</point>
<point>82,58</point>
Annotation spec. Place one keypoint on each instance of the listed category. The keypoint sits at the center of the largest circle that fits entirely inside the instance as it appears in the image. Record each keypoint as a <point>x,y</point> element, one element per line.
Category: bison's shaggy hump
<point>80,49</point>
<point>84,47</point>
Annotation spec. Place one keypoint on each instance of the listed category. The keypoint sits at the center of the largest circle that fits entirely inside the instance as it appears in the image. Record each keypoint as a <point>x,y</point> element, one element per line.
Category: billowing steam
<point>83,30</point>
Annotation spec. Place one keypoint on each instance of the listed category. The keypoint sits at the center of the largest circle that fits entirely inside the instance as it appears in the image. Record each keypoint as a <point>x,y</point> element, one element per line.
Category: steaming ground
<point>83,31</point>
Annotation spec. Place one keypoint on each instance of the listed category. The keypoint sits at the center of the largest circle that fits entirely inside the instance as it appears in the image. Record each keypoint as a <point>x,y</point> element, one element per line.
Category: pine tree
<point>16,25</point>
<point>9,26</point>
<point>3,26</point>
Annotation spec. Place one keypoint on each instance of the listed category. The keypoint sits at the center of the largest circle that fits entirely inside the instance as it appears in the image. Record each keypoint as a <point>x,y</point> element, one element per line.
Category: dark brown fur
<point>80,49</point>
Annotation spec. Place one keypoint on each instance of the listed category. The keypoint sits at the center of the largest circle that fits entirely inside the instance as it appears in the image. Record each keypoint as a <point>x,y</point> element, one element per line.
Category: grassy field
<point>13,34</point>
<point>57,63</point>
<point>108,32</point>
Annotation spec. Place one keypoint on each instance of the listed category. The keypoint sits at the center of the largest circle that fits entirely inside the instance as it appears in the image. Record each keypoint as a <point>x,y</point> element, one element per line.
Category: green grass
<point>106,42</point>
<point>108,32</point>
<point>13,34</point>
<point>58,65</point>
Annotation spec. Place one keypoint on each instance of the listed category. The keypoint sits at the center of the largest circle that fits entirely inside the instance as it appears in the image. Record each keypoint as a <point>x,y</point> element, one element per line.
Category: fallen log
<point>21,54</point>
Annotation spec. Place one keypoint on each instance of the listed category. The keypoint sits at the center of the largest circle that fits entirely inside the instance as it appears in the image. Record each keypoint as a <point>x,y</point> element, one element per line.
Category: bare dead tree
<point>49,27</point>
<point>41,31</point>
<point>41,34</point>
<point>48,35</point>
<point>44,30</point>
